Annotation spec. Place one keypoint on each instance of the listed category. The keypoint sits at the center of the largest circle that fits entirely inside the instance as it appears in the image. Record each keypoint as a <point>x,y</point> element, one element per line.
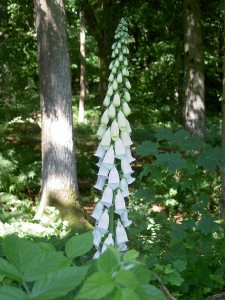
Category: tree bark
<point>59,178</point>
<point>222,202</point>
<point>194,108</point>
<point>82,69</point>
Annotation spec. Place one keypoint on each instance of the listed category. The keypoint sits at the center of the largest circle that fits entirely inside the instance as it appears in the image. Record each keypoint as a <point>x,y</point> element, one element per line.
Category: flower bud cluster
<point>115,172</point>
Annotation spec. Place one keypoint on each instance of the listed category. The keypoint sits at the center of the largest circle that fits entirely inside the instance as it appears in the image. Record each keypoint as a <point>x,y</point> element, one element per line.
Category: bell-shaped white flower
<point>122,121</point>
<point>103,171</point>
<point>127,96</point>
<point>111,65</point>
<point>120,205</point>
<point>109,158</point>
<point>122,247</point>
<point>129,130</point>
<point>124,187</point>
<point>112,111</point>
<point>121,235</point>
<point>111,78</point>
<point>127,84</point>
<point>100,183</point>
<point>106,139</point>
<point>126,109</point>
<point>98,211</point>
<point>129,156</point>
<point>115,130</point>
<point>103,223</point>
<point>121,57</point>
<point>106,101</point>
<point>97,236</point>
<point>99,163</point>
<point>116,100</point>
<point>125,166</point>
<point>108,242</point>
<point>125,220</point>
<point>120,150</point>
<point>101,131</point>
<point>105,118</point>
<point>125,138</point>
<point>125,62</point>
<point>97,254</point>
<point>107,197</point>
<point>100,152</point>
<point>117,63</point>
<point>114,178</point>
<point>129,178</point>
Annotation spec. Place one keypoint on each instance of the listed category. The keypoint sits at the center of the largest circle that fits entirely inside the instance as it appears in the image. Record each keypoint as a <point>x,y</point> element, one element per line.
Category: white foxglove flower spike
<point>114,153</point>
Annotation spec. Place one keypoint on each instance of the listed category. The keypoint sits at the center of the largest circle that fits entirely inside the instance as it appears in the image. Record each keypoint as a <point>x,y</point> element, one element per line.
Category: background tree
<point>194,108</point>
<point>59,179</point>
<point>82,69</point>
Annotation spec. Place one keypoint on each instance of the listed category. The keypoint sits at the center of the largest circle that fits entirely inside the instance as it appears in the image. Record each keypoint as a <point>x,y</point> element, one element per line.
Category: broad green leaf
<point>211,158</point>
<point>170,161</point>
<point>208,224</point>
<point>58,283</point>
<point>44,263</point>
<point>109,260</point>
<point>164,134</point>
<point>131,256</point>
<point>148,194</point>
<point>150,292</point>
<point>180,265</point>
<point>142,274</point>
<point>9,270</point>
<point>12,293</point>
<point>126,278</point>
<point>147,148</point>
<point>125,294</point>
<point>30,259</point>
<point>79,245</point>
<point>97,286</point>
<point>46,246</point>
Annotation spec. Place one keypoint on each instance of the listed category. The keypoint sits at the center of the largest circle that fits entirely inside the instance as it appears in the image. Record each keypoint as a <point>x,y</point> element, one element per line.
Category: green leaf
<point>79,245</point>
<point>131,256</point>
<point>211,158</point>
<point>180,265</point>
<point>30,259</point>
<point>109,260</point>
<point>126,293</point>
<point>164,134</point>
<point>12,293</point>
<point>170,161</point>
<point>147,148</point>
<point>97,286</point>
<point>142,274</point>
<point>58,283</point>
<point>150,292</point>
<point>126,278</point>
<point>208,224</point>
<point>9,270</point>
<point>148,194</point>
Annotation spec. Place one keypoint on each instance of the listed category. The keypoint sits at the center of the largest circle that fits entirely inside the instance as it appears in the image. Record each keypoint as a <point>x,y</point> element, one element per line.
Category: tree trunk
<point>222,203</point>
<point>82,69</point>
<point>194,108</point>
<point>59,179</point>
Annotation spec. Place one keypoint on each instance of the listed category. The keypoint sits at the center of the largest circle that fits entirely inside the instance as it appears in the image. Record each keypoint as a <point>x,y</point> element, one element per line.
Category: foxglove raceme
<point>114,153</point>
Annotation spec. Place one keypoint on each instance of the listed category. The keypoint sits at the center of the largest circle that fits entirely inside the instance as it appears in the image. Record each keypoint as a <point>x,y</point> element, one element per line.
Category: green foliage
<point>176,224</point>
<point>37,271</point>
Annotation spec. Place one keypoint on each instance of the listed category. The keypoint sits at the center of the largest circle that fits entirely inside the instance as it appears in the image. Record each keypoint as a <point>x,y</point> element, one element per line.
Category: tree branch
<point>217,297</point>
<point>164,289</point>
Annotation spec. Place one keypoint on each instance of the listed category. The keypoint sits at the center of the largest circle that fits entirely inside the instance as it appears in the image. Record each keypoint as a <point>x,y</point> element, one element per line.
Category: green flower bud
<point>116,100</point>
<point>114,46</point>
<point>115,85</point>
<point>110,91</point>
<point>122,121</point>
<point>125,61</point>
<point>114,70</point>
<point>111,111</point>
<point>119,78</point>
<point>124,71</point>
<point>127,96</point>
<point>111,77</point>
<point>106,101</point>
<point>126,109</point>
<point>127,84</point>
<point>111,65</point>
<point>105,118</point>
<point>121,57</point>
<point>114,130</point>
<point>116,64</point>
